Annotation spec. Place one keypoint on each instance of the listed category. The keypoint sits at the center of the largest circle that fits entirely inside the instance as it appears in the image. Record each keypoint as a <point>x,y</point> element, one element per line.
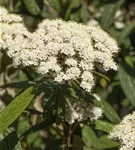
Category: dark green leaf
<point>32,7</point>
<point>110,10</point>
<point>103,126</point>
<point>18,6</point>
<point>15,108</point>
<point>9,140</point>
<point>73,4</point>
<point>128,84</point>
<point>125,32</point>
<point>109,111</point>
<point>77,143</point>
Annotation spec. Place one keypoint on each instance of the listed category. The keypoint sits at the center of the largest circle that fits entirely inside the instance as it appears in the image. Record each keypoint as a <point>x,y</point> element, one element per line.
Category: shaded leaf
<point>15,108</point>
<point>125,32</point>
<point>128,84</point>
<point>77,143</point>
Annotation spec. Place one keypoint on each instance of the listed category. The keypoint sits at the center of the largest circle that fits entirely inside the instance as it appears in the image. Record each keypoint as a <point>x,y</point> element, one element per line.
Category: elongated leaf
<point>32,7</point>
<point>104,143</point>
<point>103,126</point>
<point>109,111</point>
<point>56,4</point>
<point>9,140</point>
<point>15,108</point>
<point>125,32</point>
<point>88,136</point>
<point>128,84</point>
<point>109,13</point>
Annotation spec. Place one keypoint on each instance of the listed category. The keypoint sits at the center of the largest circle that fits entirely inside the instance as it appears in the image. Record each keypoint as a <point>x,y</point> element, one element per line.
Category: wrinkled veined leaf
<point>56,4</point>
<point>125,32</point>
<point>9,140</point>
<point>109,111</point>
<point>103,126</point>
<point>32,7</point>
<point>15,108</point>
<point>109,12</point>
<point>128,84</point>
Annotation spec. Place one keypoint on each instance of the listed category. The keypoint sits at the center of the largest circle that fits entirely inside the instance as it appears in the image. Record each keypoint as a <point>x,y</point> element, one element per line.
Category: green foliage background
<point>117,17</point>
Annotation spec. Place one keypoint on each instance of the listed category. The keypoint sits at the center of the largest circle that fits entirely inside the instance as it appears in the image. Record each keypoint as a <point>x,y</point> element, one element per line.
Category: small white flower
<point>125,132</point>
<point>69,49</point>
<point>81,111</point>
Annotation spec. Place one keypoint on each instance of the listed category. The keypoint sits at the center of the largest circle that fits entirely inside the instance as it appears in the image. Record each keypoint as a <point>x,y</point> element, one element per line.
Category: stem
<point>69,130</point>
<point>101,75</point>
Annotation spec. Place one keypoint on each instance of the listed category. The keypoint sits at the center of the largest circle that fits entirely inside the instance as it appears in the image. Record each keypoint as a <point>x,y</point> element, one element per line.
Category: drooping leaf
<point>103,126</point>
<point>15,108</point>
<point>9,140</point>
<point>128,84</point>
<point>32,7</point>
<point>125,32</point>
<point>109,12</point>
<point>109,111</point>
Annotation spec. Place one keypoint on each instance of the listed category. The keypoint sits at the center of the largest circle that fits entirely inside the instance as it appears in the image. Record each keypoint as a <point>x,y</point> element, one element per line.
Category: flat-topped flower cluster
<point>125,132</point>
<point>68,49</point>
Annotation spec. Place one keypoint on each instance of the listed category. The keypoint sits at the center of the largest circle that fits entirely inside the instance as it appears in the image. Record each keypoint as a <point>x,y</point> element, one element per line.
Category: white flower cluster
<point>125,132</point>
<point>69,49</point>
<point>81,111</point>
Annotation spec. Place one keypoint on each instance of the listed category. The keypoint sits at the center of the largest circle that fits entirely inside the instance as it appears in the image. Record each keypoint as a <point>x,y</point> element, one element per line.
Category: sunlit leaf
<point>15,108</point>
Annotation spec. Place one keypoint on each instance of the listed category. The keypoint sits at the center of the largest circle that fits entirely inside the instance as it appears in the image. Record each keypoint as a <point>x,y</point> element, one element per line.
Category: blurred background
<point>117,17</point>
